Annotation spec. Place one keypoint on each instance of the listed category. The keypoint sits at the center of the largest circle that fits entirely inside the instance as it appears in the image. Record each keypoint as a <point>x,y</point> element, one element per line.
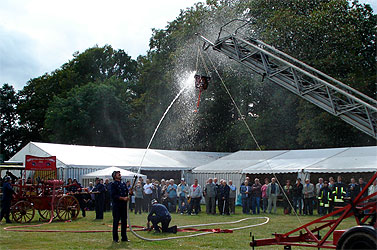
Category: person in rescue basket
<point>119,196</point>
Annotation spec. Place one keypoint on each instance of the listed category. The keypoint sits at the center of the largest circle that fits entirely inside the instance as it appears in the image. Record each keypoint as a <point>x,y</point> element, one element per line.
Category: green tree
<point>334,36</point>
<point>93,114</point>
<point>10,131</point>
<point>93,65</point>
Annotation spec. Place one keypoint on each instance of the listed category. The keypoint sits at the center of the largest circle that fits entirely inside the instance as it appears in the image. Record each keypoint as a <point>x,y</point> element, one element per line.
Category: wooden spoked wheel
<point>45,214</point>
<point>67,208</point>
<point>22,212</point>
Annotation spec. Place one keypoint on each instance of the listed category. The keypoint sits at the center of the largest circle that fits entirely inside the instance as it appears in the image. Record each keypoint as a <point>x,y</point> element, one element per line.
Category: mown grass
<point>237,240</point>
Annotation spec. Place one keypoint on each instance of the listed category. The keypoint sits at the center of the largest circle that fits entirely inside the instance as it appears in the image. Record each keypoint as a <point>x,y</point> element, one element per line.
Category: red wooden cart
<point>42,192</point>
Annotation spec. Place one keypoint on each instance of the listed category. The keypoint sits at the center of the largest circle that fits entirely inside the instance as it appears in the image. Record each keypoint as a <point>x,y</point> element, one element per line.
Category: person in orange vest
<point>324,199</point>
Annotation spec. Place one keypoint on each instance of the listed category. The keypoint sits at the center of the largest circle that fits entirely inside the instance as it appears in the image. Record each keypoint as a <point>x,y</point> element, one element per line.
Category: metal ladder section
<point>335,97</point>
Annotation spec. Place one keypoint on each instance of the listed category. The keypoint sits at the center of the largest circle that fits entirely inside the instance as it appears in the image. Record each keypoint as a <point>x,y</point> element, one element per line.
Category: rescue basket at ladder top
<point>201,83</point>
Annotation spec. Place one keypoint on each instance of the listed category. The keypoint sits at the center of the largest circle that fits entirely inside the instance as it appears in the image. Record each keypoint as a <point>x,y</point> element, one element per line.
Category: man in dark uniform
<point>217,191</point>
<point>352,190</point>
<point>107,195</point>
<point>297,196</point>
<point>99,190</point>
<point>6,201</point>
<point>76,189</point>
<point>224,198</point>
<point>360,187</point>
<point>160,214</point>
<point>12,176</point>
<point>339,192</point>
<point>119,196</point>
<point>324,198</point>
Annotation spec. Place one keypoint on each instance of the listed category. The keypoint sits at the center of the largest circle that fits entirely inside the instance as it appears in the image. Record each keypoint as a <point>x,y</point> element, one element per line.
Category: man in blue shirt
<point>160,214</point>
<point>182,192</point>
<point>119,196</point>
<point>172,195</point>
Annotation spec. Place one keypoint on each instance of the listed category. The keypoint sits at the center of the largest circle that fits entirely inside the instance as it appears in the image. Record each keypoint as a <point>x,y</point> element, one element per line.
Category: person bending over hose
<point>160,214</point>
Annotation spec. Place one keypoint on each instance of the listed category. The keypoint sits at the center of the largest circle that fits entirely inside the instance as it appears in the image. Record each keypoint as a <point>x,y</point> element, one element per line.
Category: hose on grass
<point>267,219</point>
<point>133,231</point>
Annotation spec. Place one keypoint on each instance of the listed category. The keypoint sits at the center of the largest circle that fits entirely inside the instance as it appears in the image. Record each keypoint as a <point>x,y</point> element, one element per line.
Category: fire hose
<point>200,225</point>
<point>131,227</point>
<point>187,227</point>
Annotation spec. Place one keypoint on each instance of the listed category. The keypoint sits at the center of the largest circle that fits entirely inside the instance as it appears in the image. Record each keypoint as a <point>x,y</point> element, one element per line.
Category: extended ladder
<point>335,97</point>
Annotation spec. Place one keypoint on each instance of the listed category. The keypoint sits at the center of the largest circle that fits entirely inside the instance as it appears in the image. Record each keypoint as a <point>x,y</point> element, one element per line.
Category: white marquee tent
<point>356,160</point>
<point>230,167</point>
<point>107,172</point>
<point>75,160</point>
<point>302,162</point>
<point>292,161</point>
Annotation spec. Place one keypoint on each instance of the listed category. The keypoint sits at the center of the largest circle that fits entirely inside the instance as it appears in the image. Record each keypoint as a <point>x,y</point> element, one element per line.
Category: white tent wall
<point>77,172</point>
<point>236,162</point>
<point>107,174</point>
<point>203,177</point>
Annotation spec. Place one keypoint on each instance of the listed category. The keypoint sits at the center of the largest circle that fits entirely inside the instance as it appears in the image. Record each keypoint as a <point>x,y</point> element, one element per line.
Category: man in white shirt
<point>148,194</point>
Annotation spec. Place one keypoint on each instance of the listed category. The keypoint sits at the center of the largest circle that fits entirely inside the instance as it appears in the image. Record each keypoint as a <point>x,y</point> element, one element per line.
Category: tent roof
<point>107,172</point>
<point>236,162</point>
<point>292,161</point>
<point>129,158</point>
<point>192,158</point>
<point>360,159</point>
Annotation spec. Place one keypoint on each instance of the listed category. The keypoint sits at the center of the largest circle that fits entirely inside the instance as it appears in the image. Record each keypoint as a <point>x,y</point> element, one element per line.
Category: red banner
<point>40,163</point>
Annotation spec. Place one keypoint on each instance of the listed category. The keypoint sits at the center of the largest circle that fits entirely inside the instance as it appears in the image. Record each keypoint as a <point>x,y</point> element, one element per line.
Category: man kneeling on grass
<point>160,214</point>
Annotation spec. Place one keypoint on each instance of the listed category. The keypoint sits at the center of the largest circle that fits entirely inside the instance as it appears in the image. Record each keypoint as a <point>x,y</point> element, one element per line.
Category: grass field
<point>237,240</point>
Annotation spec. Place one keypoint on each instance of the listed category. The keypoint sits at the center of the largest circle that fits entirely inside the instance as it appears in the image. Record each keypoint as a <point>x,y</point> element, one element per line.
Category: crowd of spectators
<point>221,196</point>
<point>303,198</point>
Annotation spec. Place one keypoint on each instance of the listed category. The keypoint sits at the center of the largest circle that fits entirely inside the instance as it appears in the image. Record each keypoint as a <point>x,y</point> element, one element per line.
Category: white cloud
<point>18,62</point>
<point>52,31</point>
<point>38,36</point>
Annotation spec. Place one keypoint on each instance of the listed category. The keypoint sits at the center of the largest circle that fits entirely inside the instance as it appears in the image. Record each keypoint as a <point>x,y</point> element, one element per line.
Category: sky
<point>39,36</point>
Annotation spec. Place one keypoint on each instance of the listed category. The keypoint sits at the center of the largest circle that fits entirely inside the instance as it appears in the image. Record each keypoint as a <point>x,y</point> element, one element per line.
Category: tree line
<point>103,97</point>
